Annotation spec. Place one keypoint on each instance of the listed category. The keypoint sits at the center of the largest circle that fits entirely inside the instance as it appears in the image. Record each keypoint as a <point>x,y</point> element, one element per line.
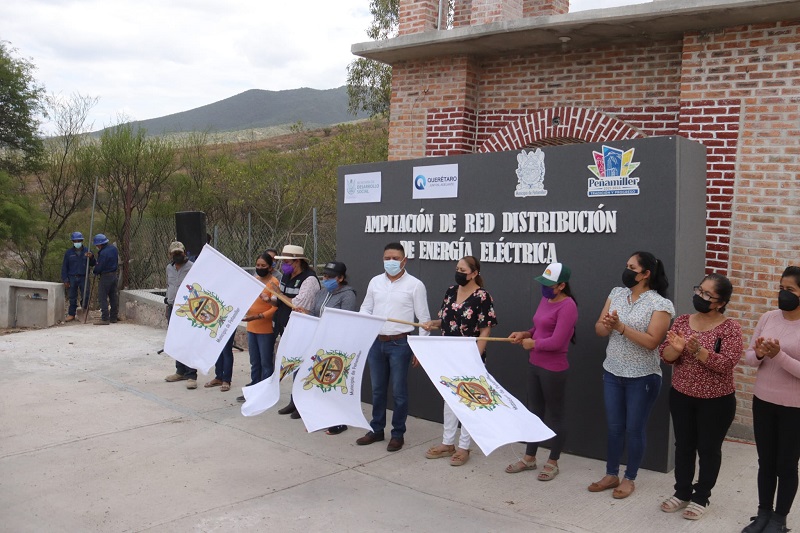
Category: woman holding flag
<point>548,342</point>
<point>467,311</point>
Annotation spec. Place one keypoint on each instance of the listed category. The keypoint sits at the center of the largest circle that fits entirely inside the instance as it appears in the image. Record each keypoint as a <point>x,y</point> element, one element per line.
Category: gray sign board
<point>589,206</point>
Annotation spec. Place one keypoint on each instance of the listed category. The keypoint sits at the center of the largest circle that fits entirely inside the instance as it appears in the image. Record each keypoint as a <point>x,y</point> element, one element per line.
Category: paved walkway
<point>94,440</point>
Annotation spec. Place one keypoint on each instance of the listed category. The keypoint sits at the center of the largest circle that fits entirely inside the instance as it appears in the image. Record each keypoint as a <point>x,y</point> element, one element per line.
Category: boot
<point>759,522</point>
<point>776,524</point>
<point>289,409</point>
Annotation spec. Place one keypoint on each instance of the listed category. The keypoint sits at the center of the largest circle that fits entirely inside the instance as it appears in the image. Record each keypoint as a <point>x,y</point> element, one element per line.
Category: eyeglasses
<point>707,296</point>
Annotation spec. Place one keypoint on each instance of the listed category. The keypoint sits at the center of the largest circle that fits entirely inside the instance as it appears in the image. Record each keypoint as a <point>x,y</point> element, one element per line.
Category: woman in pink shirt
<point>775,351</point>
<point>548,341</point>
<point>703,349</point>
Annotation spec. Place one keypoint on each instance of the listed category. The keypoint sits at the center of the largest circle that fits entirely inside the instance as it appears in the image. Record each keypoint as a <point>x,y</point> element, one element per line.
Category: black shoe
<point>395,444</point>
<point>295,415</point>
<point>289,409</point>
<point>114,320</point>
<point>759,522</point>
<point>240,399</point>
<point>776,524</point>
<point>369,438</point>
<point>335,430</point>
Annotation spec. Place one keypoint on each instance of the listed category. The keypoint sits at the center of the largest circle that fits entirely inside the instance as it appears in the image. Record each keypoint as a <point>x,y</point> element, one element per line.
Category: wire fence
<point>241,243</point>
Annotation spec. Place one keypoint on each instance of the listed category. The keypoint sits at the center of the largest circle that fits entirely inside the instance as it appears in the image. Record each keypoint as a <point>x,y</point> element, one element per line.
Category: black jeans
<point>546,394</point>
<point>700,427</point>
<point>180,368</point>
<point>107,292</point>
<point>777,432</point>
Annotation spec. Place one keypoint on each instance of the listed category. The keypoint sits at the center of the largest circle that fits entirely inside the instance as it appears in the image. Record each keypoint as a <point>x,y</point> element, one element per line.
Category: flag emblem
<point>289,365</point>
<point>329,371</point>
<point>203,309</point>
<point>475,393</point>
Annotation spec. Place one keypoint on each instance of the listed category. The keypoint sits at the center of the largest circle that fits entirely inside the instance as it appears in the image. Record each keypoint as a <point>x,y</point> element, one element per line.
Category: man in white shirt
<point>393,294</point>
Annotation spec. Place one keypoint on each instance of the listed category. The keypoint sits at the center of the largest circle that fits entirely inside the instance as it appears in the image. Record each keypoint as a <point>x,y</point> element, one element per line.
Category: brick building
<point>509,74</point>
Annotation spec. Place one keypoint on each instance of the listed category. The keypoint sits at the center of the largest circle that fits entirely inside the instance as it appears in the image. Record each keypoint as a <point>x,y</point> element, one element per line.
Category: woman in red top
<point>703,348</point>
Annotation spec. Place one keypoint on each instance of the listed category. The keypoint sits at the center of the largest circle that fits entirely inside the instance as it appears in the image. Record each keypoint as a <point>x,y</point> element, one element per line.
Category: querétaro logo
<point>435,181</point>
<point>419,182</point>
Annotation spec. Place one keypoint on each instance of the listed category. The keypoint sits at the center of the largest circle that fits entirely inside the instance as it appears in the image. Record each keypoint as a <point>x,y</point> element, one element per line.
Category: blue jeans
<point>262,361</point>
<point>388,363</point>
<point>628,405</point>
<point>224,366</point>
<point>76,288</point>
<point>107,292</point>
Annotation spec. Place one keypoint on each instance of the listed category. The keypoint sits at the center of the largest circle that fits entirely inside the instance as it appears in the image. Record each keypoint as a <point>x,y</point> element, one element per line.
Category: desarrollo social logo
<point>419,182</point>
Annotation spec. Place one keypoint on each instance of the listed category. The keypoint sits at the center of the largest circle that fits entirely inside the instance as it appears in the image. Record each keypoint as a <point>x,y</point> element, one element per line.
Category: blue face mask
<point>392,267</point>
<point>548,292</point>
<point>330,284</point>
<point>77,245</point>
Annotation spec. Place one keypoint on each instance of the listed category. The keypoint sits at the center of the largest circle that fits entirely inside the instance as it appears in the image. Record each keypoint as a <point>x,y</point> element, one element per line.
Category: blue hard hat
<point>76,236</point>
<point>100,239</point>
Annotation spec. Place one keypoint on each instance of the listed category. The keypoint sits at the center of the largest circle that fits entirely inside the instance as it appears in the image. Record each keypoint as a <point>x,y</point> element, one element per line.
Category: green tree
<point>18,219</point>
<point>132,170</point>
<point>369,82</point>
<point>20,106</point>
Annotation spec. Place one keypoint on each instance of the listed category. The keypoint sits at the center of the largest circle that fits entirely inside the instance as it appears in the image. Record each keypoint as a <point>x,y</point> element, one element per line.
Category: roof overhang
<point>659,20</point>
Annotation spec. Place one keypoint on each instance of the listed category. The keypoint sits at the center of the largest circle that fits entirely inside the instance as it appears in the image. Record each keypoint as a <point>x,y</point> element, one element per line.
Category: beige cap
<point>177,246</point>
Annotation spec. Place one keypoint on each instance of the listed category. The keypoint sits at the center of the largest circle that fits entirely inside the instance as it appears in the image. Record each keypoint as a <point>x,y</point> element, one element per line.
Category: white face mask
<point>392,267</point>
<point>77,245</point>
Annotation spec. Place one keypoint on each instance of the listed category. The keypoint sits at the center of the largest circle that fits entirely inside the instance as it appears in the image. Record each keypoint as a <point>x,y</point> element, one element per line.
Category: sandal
<point>625,489</point>
<point>225,387</point>
<point>608,482</point>
<point>213,383</point>
<point>436,452</point>
<point>694,511</point>
<point>521,466</point>
<point>459,458</point>
<point>549,471</point>
<point>673,504</point>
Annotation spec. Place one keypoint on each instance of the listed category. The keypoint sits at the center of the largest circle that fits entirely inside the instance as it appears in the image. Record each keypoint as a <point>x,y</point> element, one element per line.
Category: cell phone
<point>718,345</point>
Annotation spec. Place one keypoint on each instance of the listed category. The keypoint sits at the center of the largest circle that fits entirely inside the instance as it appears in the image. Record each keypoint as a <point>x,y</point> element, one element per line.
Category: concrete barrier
<point>29,303</point>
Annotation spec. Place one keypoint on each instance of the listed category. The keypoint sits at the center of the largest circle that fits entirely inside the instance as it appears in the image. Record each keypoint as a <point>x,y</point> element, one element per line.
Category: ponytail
<point>658,277</point>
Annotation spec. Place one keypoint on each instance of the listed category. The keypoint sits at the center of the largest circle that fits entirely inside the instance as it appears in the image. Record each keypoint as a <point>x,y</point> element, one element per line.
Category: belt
<point>387,338</point>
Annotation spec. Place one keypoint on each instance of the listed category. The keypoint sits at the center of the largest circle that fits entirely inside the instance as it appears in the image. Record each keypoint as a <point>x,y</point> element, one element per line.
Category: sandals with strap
<point>694,511</point>
<point>673,504</point>
<point>225,387</point>
<point>459,458</point>
<point>435,452</point>
<point>549,471</point>
<point>521,466</point>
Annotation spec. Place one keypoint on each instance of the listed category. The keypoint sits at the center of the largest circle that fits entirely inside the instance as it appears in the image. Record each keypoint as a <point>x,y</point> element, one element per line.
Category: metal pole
<point>91,229</point>
<point>314,233</point>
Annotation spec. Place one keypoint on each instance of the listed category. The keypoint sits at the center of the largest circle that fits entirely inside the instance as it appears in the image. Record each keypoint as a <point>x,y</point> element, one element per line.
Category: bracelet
<point>697,351</point>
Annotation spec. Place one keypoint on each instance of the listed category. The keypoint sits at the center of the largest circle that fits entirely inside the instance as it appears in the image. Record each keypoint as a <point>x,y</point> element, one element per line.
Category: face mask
<point>77,245</point>
<point>392,267</point>
<point>287,269</point>
<point>548,292</point>
<point>701,305</point>
<point>461,279</point>
<point>262,272</point>
<point>629,278</point>
<point>179,259</point>
<point>330,284</point>
<point>787,301</point>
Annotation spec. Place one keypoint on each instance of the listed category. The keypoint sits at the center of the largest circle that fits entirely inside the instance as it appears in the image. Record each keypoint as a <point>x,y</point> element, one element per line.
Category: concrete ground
<point>94,439</point>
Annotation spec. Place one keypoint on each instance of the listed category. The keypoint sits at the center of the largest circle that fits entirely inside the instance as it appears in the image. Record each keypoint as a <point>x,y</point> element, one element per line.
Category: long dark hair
<point>474,265</point>
<point>658,278</point>
<point>568,291</point>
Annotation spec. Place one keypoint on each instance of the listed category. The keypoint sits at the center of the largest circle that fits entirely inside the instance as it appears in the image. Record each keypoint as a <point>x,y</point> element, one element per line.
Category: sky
<point>149,58</point>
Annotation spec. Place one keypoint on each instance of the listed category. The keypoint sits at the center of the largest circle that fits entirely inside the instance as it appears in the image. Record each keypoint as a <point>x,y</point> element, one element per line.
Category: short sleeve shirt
<point>625,358</point>
<point>467,318</point>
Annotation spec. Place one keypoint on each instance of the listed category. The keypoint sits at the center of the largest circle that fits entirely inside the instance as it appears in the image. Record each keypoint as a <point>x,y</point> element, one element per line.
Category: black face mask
<point>629,278</point>
<point>787,301</point>
<point>461,279</point>
<point>701,305</point>
<point>179,259</point>
<point>262,272</point>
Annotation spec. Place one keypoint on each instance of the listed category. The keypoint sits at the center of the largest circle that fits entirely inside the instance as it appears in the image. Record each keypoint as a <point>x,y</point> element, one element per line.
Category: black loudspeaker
<point>190,229</point>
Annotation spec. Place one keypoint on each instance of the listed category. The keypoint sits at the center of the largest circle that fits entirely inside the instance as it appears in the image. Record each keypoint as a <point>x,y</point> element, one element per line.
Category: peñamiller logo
<point>435,181</point>
<point>362,188</point>
<point>612,171</point>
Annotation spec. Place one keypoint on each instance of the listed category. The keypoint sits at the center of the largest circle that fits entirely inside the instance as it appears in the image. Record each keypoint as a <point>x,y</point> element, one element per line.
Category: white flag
<point>327,389</point>
<point>209,305</point>
<point>294,344</point>
<point>492,416</point>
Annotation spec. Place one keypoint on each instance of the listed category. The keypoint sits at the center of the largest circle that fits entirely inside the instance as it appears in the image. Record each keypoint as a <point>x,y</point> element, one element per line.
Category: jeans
<point>388,363</point>
<point>628,405</point>
<point>777,432</point>
<point>77,285</point>
<point>224,366</point>
<point>180,368</point>
<point>700,427</point>
<point>107,291</point>
<point>546,397</point>
<point>262,350</point>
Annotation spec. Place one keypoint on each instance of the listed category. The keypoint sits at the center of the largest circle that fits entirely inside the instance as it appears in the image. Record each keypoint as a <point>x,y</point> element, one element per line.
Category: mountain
<point>255,109</point>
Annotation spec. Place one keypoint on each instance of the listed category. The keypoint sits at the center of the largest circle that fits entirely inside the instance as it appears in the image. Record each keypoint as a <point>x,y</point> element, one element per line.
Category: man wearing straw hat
<point>398,295</point>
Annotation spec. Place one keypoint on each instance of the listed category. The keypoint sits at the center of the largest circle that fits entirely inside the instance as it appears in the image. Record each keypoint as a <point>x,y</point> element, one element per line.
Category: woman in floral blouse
<point>703,348</point>
<point>467,311</point>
